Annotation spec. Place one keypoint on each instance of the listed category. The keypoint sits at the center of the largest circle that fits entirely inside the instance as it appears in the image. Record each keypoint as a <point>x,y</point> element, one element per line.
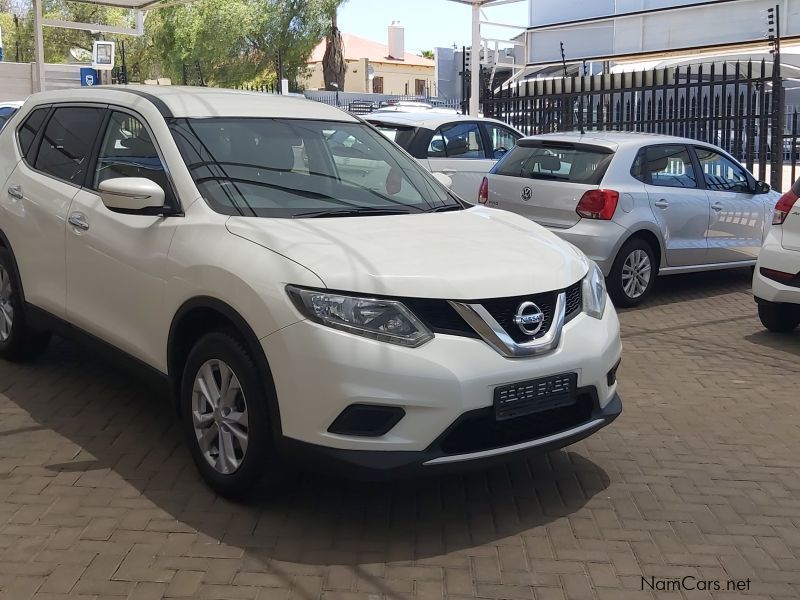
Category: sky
<point>428,23</point>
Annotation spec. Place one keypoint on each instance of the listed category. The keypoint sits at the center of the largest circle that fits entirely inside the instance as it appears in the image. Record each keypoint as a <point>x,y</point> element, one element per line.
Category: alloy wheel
<point>219,416</point>
<point>636,273</point>
<point>6,308</point>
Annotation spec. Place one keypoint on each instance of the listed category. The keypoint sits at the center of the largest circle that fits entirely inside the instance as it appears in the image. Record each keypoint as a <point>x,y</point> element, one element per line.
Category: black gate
<point>731,106</point>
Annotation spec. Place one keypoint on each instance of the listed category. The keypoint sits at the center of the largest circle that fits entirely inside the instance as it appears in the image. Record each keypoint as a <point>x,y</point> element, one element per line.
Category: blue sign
<point>89,76</point>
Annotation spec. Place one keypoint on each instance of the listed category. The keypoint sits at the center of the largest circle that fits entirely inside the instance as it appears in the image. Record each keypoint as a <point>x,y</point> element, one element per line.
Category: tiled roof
<point>356,48</point>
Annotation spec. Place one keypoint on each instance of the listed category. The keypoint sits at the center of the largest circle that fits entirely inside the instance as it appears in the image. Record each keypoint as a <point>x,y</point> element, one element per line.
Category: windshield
<point>291,168</point>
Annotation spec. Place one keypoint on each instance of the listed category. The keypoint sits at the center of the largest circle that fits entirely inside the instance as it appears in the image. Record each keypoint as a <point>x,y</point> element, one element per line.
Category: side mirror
<point>131,194</point>
<point>444,180</point>
<point>762,187</point>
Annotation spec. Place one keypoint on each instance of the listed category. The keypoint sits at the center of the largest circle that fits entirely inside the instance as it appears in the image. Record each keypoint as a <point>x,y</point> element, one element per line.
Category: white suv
<point>776,281</point>
<point>307,290</point>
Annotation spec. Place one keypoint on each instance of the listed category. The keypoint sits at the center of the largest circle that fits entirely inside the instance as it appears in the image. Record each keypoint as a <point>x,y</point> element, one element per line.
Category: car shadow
<point>694,286</point>
<point>783,342</point>
<point>121,428</point>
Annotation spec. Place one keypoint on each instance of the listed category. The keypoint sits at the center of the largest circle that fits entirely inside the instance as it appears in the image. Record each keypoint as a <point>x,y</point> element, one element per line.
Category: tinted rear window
<point>67,142</point>
<point>574,163</point>
<point>29,129</point>
<point>399,135</point>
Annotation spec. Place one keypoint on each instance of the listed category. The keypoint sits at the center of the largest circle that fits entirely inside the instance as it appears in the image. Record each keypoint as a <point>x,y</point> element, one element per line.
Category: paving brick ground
<point>700,477</point>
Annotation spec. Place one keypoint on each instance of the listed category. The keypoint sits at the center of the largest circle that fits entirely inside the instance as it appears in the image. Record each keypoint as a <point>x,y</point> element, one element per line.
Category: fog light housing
<point>366,420</point>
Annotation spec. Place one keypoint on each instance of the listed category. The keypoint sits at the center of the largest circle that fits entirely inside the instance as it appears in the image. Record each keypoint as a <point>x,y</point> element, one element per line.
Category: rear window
<point>574,163</point>
<point>400,135</point>
<point>27,132</point>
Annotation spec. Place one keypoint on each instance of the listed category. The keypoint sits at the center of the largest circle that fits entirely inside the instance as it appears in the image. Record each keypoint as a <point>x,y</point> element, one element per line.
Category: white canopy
<point>475,63</point>
<point>39,23</point>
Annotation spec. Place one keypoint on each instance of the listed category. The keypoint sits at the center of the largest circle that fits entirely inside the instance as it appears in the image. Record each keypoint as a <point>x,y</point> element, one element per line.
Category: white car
<point>776,281</point>
<point>462,148</point>
<point>307,290</point>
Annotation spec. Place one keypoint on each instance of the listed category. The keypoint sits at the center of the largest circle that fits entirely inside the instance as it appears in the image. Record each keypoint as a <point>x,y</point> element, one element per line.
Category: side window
<point>720,173</point>
<point>502,139</point>
<point>666,166</point>
<point>462,140</point>
<point>128,151</point>
<point>28,130</point>
<point>67,142</point>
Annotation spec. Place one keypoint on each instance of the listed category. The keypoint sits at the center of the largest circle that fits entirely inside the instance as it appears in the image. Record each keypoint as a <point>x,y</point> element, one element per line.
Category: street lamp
<point>336,86</point>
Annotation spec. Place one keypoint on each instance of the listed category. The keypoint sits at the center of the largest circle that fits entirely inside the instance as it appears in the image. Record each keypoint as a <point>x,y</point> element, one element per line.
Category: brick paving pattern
<point>699,477</point>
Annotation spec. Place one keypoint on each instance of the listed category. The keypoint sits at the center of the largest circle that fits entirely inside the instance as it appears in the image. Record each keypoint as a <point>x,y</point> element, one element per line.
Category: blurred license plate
<point>535,395</point>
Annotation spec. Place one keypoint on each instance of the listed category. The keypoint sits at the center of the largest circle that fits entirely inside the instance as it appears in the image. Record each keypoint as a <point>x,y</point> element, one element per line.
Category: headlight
<point>383,320</point>
<point>594,291</point>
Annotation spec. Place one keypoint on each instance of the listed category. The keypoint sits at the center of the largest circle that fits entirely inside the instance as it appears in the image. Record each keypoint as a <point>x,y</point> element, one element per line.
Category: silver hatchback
<point>639,205</point>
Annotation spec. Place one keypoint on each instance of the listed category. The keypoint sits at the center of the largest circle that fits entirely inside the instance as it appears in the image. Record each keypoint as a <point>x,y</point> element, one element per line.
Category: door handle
<point>15,192</point>
<point>661,203</point>
<point>717,206</point>
<point>78,221</point>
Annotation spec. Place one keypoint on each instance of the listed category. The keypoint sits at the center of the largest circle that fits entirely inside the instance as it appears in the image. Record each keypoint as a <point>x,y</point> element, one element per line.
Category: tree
<point>427,54</point>
<point>237,41</point>
<point>334,66</point>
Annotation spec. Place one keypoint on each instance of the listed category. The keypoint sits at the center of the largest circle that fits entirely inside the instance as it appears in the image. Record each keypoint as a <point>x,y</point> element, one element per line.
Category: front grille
<point>479,430</point>
<point>441,317</point>
<point>574,301</point>
<point>504,309</point>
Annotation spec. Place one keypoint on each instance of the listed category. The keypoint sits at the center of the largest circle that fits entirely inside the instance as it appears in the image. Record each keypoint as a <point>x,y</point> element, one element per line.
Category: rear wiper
<point>350,212</point>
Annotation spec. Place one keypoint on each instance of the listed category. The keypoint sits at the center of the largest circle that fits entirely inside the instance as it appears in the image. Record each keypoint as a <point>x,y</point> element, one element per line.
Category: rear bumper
<point>774,256</point>
<point>599,240</point>
<point>443,455</point>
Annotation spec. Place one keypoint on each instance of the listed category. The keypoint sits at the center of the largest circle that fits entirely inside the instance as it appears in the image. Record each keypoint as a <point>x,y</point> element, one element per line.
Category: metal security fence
<point>733,106</point>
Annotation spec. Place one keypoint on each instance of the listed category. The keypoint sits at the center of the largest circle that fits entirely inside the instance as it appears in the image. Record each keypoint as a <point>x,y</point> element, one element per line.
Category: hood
<point>465,255</point>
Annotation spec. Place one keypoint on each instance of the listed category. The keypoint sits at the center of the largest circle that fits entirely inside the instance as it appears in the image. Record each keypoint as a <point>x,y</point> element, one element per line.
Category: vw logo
<point>529,318</point>
<point>527,193</point>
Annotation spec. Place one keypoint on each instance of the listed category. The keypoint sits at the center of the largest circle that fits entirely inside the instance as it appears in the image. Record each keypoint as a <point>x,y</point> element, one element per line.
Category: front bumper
<point>774,256</point>
<point>319,372</point>
<point>376,465</point>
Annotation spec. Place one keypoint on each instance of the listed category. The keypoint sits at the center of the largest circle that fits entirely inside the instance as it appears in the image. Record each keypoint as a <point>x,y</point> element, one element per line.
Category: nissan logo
<point>529,318</point>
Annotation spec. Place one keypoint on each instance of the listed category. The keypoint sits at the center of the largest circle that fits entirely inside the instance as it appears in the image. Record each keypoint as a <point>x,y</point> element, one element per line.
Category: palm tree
<point>334,66</point>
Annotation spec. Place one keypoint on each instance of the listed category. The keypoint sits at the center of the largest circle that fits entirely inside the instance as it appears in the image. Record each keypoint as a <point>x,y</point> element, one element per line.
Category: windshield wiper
<point>445,208</point>
<point>350,212</point>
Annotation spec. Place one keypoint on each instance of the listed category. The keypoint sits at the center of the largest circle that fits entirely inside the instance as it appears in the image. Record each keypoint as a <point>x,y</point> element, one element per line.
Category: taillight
<point>598,204</point>
<point>483,193</point>
<point>782,208</point>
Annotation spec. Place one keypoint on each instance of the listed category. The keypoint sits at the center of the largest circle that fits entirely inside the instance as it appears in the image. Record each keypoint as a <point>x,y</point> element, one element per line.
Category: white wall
<point>612,33</point>
<point>16,79</point>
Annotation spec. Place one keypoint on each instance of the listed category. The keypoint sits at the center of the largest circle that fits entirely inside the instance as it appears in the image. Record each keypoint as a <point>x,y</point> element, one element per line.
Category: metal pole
<point>38,34</point>
<point>475,61</point>
<point>776,170</point>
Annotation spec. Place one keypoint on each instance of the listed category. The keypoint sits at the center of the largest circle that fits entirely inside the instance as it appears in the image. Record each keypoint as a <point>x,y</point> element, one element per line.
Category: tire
<point>237,467</point>
<point>627,291</point>
<point>779,318</point>
<point>19,342</point>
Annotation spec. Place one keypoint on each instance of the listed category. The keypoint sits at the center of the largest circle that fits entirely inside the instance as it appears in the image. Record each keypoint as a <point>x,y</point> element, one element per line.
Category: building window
<point>419,87</point>
<point>377,85</point>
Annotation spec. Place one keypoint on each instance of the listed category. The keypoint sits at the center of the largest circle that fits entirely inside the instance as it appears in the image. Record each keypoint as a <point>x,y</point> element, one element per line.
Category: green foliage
<point>235,42</point>
<point>238,41</point>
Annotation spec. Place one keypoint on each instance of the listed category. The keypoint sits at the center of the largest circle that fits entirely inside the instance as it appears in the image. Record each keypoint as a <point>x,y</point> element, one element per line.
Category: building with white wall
<point>599,30</point>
